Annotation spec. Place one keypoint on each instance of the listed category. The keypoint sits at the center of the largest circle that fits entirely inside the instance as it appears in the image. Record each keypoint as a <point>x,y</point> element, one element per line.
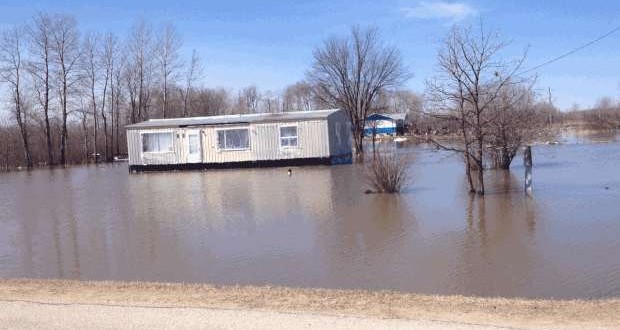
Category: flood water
<point>318,229</point>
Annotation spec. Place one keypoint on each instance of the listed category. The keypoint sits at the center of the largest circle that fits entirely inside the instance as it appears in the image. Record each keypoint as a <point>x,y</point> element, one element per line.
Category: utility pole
<point>527,161</point>
<point>551,107</point>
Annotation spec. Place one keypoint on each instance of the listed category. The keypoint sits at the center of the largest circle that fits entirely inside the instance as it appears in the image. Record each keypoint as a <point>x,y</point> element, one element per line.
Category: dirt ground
<point>55,297</point>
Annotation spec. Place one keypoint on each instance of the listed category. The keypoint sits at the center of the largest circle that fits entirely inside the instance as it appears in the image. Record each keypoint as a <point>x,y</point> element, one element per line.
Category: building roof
<point>235,119</point>
<point>393,116</point>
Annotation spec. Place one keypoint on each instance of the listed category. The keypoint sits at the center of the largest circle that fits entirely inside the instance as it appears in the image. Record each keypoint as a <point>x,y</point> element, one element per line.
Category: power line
<point>573,51</point>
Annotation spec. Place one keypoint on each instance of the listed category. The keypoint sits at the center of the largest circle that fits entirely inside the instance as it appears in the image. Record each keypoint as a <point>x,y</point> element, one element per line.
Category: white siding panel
<point>134,147</point>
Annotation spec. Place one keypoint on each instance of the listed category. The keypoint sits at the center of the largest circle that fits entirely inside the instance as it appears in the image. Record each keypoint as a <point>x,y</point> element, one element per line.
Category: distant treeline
<point>604,115</point>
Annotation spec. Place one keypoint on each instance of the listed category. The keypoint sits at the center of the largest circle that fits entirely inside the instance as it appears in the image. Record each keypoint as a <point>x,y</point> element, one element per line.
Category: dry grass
<point>388,173</point>
<point>384,304</point>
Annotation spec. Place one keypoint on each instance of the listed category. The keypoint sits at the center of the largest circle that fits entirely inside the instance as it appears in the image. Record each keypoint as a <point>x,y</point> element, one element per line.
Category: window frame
<point>171,132</point>
<point>296,137</point>
<point>217,137</point>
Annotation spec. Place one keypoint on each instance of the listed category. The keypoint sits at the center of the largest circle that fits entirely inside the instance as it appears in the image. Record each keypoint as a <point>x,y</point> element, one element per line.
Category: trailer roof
<point>393,116</point>
<point>234,119</point>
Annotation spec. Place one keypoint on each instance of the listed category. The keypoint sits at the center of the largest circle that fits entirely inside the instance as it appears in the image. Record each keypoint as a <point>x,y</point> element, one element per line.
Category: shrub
<point>388,173</point>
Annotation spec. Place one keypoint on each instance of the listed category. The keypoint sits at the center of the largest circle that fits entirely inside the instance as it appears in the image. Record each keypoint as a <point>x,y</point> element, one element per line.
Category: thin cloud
<point>454,11</point>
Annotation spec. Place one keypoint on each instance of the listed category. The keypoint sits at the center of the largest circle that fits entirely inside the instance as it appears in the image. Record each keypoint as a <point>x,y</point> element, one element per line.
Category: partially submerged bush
<point>388,173</point>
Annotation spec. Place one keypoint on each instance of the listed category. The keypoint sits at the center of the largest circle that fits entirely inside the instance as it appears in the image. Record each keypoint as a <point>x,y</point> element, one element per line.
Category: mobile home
<point>385,124</point>
<point>266,139</point>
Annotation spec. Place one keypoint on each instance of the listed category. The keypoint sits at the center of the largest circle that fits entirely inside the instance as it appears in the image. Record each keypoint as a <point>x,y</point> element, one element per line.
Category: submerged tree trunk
<point>64,132</point>
<point>470,180</point>
<point>502,158</point>
<point>11,72</point>
<point>24,134</point>
<point>358,137</point>
<point>86,142</point>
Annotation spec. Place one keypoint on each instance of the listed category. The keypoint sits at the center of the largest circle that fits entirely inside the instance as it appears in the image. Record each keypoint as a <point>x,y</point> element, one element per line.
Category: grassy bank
<point>382,304</point>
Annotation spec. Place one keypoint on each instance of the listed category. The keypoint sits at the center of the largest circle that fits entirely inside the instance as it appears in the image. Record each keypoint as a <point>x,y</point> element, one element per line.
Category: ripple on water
<point>318,228</point>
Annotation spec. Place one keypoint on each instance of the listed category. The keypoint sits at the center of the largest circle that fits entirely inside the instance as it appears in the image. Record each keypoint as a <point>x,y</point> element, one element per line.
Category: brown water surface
<point>318,229</point>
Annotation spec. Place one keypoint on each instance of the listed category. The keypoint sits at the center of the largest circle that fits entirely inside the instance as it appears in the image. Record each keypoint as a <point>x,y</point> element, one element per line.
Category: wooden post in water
<point>527,161</point>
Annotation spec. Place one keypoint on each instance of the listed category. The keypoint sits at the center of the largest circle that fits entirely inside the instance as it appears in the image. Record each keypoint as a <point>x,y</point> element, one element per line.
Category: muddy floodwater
<point>317,228</point>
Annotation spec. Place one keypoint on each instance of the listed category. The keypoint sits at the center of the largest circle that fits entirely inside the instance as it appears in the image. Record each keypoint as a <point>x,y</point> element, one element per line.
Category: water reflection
<point>500,233</point>
<point>318,228</point>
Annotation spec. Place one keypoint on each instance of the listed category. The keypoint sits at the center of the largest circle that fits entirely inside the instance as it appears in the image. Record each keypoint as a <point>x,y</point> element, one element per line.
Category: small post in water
<point>527,161</point>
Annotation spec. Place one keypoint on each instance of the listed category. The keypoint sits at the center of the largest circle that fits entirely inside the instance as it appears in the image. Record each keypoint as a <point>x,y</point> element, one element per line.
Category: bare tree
<point>298,97</point>
<point>140,70</point>
<point>116,95</point>
<point>131,79</point>
<point>210,102</point>
<point>167,54</point>
<point>193,71</point>
<point>107,57</point>
<point>471,80</point>
<point>66,56</point>
<point>11,72</point>
<point>514,121</point>
<point>248,100</point>
<point>349,73</point>
<point>91,68</point>
<point>270,102</point>
<point>40,67</point>
<point>604,115</point>
<point>83,114</point>
<point>76,88</point>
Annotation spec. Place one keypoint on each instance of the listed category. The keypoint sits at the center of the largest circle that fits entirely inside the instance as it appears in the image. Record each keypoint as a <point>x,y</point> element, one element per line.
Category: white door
<point>194,147</point>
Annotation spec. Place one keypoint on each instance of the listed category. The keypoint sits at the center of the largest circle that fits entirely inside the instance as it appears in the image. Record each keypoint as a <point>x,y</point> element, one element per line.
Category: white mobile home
<point>266,139</point>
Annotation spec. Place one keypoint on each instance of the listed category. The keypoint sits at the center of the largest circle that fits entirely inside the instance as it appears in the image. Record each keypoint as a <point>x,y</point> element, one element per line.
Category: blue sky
<point>269,43</point>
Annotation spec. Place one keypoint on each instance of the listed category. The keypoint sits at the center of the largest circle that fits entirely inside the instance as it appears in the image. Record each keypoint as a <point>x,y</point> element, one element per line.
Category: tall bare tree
<point>167,54</point>
<point>471,78</point>
<point>40,67</point>
<point>193,70</point>
<point>116,98</point>
<point>107,57</point>
<point>11,72</point>
<point>66,56</point>
<point>84,114</point>
<point>349,73</point>
<point>92,73</point>
<point>72,88</point>
<point>140,70</point>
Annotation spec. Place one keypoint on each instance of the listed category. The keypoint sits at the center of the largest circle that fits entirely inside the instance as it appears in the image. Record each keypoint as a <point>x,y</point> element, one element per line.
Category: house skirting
<point>380,131</point>
<point>333,160</point>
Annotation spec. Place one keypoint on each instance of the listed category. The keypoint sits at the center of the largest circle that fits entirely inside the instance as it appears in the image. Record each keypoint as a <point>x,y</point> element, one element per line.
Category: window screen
<point>157,142</point>
<point>233,139</point>
<point>288,136</point>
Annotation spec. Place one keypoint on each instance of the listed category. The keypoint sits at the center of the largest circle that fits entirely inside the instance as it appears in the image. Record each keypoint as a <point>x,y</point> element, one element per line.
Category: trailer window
<point>288,136</point>
<point>233,139</point>
<point>157,142</point>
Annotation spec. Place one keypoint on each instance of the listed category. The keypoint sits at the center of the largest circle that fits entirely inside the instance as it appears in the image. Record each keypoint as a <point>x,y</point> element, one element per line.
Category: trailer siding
<point>316,139</point>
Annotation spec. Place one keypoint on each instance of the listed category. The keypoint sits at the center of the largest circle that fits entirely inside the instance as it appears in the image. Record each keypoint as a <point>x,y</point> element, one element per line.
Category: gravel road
<point>33,315</point>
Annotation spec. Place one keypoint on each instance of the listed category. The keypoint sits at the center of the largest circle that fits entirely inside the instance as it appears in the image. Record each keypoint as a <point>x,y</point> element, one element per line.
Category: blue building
<point>385,124</point>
